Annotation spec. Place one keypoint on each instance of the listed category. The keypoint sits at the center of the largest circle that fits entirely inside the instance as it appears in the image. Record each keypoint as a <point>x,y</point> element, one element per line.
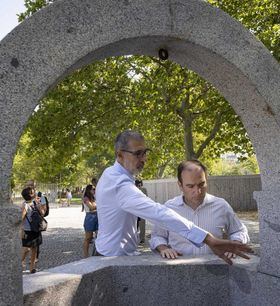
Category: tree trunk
<point>161,171</point>
<point>188,138</point>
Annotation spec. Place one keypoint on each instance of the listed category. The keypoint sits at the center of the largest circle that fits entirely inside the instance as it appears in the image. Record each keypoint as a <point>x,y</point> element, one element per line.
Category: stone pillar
<point>10,249</point>
<point>269,236</point>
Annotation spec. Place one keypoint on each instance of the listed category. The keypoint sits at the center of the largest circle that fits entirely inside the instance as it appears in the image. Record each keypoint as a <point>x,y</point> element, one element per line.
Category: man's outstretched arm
<point>221,246</point>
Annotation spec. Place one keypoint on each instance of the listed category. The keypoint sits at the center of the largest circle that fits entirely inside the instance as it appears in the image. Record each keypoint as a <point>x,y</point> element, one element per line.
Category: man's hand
<point>230,255</point>
<point>226,248</point>
<point>166,252</point>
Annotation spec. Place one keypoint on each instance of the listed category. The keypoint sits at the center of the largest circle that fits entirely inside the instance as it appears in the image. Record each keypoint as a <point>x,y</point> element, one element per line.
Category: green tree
<point>171,105</point>
<point>32,6</point>
<point>223,166</point>
<point>73,128</point>
<point>261,17</point>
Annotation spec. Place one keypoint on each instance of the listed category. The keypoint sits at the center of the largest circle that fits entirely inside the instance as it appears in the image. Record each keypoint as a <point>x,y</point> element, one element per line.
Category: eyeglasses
<point>138,153</point>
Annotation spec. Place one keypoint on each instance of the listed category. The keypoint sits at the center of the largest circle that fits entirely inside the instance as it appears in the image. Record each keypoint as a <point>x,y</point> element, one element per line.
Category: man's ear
<point>119,155</point>
<point>180,185</point>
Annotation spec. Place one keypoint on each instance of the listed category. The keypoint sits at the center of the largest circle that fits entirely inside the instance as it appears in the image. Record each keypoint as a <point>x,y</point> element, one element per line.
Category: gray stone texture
<point>269,235</point>
<point>149,280</point>
<point>250,287</point>
<point>10,249</point>
<point>71,33</point>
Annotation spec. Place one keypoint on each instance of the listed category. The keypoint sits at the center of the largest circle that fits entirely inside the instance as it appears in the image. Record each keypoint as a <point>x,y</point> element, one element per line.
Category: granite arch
<point>67,35</point>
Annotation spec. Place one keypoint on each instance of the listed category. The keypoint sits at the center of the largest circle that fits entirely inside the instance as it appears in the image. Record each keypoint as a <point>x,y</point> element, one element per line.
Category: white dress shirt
<point>214,215</point>
<point>119,204</point>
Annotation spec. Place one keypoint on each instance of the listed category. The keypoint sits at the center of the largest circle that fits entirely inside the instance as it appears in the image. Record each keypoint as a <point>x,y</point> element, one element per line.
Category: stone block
<point>141,280</point>
<point>269,217</point>
<point>249,287</point>
<point>10,252</point>
<point>69,34</point>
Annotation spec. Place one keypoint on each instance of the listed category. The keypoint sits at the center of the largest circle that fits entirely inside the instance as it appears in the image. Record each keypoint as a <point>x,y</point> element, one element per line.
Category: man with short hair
<point>120,202</point>
<point>205,210</point>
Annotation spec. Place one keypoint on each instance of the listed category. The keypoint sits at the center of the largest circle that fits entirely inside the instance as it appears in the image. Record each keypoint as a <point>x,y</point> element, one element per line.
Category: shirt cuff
<point>156,241</point>
<point>244,238</point>
<point>196,236</point>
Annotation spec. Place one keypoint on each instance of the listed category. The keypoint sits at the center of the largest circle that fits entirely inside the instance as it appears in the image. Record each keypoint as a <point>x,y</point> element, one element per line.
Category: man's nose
<point>197,190</point>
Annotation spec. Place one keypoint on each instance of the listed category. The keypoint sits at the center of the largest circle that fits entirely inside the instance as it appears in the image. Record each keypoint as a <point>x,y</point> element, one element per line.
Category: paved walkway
<point>62,242</point>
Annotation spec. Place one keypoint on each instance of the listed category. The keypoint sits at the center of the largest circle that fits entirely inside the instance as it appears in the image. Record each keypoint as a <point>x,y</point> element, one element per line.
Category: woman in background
<point>30,239</point>
<point>91,221</point>
<point>68,196</point>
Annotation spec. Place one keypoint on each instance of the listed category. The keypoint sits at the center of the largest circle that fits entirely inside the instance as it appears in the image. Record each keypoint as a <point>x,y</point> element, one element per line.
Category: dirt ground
<point>248,215</point>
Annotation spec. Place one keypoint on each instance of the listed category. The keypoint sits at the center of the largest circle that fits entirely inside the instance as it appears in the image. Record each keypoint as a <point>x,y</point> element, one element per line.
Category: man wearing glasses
<point>120,202</point>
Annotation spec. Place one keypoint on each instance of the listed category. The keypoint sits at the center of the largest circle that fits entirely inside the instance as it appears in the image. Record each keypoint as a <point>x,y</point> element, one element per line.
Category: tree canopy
<point>71,132</point>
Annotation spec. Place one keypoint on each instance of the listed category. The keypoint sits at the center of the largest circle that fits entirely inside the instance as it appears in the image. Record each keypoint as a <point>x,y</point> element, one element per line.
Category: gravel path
<point>62,242</point>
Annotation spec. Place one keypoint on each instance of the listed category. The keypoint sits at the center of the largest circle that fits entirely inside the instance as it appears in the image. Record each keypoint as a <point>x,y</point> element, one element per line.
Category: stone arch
<point>70,34</point>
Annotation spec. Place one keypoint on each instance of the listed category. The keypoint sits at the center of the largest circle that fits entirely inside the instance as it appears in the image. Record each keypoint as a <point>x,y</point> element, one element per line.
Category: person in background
<point>43,202</point>
<point>68,196</point>
<point>120,202</point>
<point>205,210</point>
<point>141,223</point>
<point>91,220</point>
<point>94,181</point>
<point>30,239</point>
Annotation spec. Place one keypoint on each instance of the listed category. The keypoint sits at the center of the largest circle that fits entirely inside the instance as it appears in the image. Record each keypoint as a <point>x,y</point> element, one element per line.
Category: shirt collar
<point>122,170</point>
<point>179,201</point>
<point>207,200</point>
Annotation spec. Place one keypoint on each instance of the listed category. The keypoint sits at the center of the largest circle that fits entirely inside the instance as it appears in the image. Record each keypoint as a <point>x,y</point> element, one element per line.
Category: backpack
<point>47,206</point>
<point>37,223</point>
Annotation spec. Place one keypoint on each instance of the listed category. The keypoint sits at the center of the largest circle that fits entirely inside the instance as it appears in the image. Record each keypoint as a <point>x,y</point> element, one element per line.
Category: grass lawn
<point>74,201</point>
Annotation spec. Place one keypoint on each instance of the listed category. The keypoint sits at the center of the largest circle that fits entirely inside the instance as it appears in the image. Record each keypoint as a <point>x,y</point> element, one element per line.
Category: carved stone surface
<point>151,280</point>
<point>71,33</point>
<point>10,250</point>
<point>269,217</point>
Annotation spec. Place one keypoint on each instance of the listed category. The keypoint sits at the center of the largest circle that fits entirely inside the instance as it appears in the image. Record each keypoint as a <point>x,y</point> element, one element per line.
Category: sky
<point>8,15</point>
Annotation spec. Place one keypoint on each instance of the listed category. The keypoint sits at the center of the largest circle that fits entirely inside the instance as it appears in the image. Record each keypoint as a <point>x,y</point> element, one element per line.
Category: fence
<point>50,190</point>
<point>237,190</point>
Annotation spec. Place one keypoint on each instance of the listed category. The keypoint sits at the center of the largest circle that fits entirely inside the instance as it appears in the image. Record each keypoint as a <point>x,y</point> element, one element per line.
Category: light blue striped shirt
<point>119,204</point>
<point>214,215</point>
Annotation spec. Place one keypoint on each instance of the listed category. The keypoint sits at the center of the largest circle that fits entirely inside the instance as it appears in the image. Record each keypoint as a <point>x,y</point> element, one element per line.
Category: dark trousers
<point>38,251</point>
<point>95,253</point>
<point>142,224</point>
